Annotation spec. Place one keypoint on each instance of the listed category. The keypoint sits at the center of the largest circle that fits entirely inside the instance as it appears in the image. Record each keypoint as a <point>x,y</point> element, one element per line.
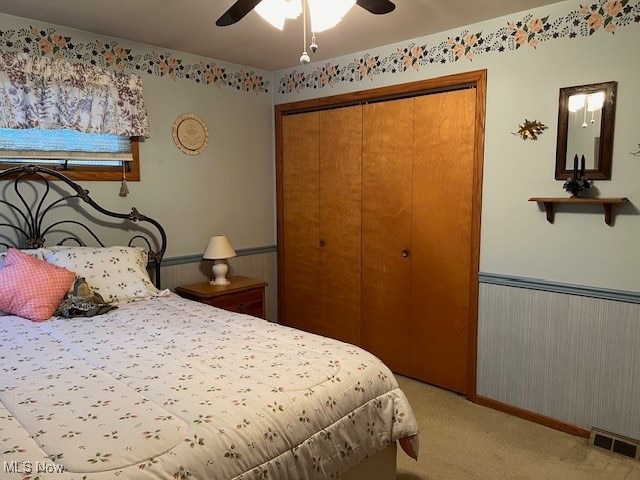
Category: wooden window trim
<point>105,174</point>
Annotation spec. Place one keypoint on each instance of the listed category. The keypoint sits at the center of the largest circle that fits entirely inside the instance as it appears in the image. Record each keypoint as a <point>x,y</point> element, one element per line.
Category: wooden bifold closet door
<point>301,220</point>
<point>417,165</point>
<point>321,185</point>
<point>387,164</point>
<point>443,170</point>
<point>377,220</point>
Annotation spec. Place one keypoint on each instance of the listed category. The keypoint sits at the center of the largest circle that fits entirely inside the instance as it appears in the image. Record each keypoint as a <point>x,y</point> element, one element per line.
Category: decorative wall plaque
<point>190,134</point>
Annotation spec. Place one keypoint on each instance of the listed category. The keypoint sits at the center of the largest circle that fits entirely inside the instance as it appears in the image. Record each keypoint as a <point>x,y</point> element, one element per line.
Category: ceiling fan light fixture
<point>595,101</point>
<point>277,11</point>
<point>576,102</point>
<point>323,14</point>
<point>326,14</point>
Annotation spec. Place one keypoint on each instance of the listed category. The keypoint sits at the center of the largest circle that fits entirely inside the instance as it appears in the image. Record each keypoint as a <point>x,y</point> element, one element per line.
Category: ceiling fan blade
<point>236,12</point>
<point>379,7</point>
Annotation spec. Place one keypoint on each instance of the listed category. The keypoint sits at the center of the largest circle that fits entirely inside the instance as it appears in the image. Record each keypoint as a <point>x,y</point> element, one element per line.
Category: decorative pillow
<point>116,273</point>
<point>32,288</point>
<point>34,252</point>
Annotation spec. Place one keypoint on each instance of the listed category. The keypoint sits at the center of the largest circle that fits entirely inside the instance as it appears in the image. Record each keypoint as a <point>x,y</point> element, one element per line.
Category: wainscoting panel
<point>568,357</point>
<point>262,266</point>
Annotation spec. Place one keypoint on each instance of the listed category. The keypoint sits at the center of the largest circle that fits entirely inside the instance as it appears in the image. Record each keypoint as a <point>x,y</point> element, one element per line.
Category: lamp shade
<point>576,102</point>
<point>595,101</point>
<point>218,248</point>
<point>277,11</point>
<point>326,14</point>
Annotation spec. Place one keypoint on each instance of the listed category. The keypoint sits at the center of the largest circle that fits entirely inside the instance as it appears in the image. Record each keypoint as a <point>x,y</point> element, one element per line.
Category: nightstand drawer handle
<point>241,306</point>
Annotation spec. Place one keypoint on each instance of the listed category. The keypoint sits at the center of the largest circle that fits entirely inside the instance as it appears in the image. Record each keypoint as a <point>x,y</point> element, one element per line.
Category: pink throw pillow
<point>32,288</point>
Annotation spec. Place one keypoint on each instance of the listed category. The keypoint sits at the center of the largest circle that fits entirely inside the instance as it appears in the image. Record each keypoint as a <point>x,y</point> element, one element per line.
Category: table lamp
<point>218,250</point>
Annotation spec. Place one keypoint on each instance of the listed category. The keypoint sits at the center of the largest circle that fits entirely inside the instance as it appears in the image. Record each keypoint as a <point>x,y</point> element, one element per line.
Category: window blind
<point>63,146</point>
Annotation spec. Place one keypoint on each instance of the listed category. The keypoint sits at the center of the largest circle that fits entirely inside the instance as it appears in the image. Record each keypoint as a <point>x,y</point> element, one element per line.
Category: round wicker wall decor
<point>190,134</point>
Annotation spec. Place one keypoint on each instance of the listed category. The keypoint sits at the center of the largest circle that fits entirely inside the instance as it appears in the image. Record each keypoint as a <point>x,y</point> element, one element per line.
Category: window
<point>46,98</point>
<point>80,156</point>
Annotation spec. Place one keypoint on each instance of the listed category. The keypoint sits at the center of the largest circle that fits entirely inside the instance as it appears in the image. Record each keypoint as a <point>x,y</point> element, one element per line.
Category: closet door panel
<point>300,197</point>
<point>441,233</point>
<point>386,231</point>
<point>340,219</point>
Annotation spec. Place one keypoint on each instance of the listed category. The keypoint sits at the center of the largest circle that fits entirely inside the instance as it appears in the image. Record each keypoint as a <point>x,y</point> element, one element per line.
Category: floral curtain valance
<point>51,93</point>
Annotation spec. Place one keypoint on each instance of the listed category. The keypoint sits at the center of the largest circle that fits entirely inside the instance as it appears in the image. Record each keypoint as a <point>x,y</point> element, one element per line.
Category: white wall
<point>524,83</point>
<point>228,188</point>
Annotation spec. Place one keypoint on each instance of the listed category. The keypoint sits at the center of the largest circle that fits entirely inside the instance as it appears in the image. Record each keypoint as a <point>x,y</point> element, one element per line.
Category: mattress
<point>170,388</point>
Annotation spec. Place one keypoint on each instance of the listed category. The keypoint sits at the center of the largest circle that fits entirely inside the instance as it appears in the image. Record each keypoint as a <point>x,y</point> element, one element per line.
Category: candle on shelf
<point>575,167</point>
<point>582,166</point>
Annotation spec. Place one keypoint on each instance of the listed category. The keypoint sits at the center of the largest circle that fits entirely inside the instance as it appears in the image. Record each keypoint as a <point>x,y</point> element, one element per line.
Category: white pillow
<point>117,273</point>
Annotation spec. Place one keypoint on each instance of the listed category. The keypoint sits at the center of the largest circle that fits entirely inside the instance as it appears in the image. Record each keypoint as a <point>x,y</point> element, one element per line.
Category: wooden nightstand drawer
<point>242,295</point>
<point>251,302</point>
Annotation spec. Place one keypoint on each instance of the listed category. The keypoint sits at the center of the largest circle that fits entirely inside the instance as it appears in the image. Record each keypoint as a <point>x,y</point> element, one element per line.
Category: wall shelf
<point>607,204</point>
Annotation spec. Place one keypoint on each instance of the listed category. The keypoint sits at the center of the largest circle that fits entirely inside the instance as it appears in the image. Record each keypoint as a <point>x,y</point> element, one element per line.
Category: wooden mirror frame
<point>603,172</point>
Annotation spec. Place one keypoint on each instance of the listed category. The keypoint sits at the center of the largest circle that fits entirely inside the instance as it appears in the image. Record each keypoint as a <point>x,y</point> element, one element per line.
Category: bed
<point>164,387</point>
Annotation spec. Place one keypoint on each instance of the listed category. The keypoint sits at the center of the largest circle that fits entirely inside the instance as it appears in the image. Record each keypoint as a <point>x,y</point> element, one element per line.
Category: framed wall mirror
<point>586,118</point>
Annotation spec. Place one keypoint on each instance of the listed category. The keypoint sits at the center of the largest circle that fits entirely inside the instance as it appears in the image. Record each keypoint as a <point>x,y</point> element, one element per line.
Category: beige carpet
<point>460,440</point>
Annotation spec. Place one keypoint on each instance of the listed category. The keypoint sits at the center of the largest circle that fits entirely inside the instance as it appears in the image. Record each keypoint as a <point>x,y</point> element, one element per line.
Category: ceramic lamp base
<point>219,270</point>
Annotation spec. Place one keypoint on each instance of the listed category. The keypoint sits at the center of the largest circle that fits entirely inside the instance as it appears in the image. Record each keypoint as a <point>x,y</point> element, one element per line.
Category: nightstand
<point>242,295</point>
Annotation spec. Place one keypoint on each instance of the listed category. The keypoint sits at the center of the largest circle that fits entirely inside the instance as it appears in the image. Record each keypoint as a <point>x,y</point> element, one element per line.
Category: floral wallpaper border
<point>529,31</point>
<point>51,43</point>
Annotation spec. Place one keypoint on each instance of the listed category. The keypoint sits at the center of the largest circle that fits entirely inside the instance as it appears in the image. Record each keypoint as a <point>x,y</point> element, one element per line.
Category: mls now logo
<point>30,467</point>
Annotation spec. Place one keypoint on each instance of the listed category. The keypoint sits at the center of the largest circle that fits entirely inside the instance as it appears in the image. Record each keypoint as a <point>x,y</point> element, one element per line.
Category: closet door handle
<point>405,253</point>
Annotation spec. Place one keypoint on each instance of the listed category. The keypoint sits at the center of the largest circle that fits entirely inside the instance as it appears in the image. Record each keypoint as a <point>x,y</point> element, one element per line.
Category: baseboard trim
<point>533,417</point>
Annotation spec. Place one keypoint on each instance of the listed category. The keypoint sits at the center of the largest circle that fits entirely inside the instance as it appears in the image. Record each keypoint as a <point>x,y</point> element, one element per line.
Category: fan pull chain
<point>304,58</point>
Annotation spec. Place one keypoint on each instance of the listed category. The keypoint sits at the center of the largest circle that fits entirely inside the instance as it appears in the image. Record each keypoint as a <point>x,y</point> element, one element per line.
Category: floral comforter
<point>169,388</point>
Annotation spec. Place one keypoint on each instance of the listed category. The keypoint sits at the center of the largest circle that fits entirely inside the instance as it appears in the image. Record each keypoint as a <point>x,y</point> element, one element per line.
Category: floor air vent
<point>615,443</point>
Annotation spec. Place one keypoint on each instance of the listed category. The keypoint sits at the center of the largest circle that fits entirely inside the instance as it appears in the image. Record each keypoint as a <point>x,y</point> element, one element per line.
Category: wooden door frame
<point>477,79</point>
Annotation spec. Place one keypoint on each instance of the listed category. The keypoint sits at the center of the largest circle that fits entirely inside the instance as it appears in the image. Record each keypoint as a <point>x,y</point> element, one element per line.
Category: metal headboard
<point>26,214</point>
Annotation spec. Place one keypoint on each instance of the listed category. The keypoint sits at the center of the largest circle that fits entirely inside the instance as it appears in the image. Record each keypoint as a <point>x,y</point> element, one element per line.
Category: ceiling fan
<point>238,10</point>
